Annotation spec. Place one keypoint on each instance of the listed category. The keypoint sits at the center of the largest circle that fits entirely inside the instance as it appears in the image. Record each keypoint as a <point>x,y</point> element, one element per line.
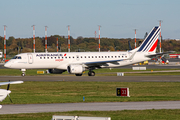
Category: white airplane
<point>77,62</point>
<point>4,93</point>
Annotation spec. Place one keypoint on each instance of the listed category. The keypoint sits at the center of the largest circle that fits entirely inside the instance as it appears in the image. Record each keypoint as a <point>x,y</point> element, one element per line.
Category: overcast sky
<point>118,18</point>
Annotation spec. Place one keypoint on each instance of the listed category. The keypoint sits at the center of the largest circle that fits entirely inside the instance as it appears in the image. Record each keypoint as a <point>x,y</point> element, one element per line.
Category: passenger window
<point>95,56</point>
<point>40,57</point>
<point>108,56</point>
<point>111,56</point>
<point>51,57</point>
<point>102,56</point>
<point>88,56</point>
<point>92,56</point>
<point>44,57</point>
<point>84,56</point>
<point>47,57</point>
<point>99,57</point>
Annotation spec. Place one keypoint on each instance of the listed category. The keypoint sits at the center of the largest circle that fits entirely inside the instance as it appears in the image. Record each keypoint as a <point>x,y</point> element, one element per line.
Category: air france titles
<point>50,55</point>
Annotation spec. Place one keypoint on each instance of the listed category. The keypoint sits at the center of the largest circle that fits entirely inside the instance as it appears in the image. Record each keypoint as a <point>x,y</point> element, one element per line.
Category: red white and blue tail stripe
<point>150,42</point>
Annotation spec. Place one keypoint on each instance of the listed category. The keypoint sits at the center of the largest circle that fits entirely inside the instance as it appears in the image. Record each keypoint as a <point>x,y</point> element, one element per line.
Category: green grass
<point>73,92</point>
<point>115,115</point>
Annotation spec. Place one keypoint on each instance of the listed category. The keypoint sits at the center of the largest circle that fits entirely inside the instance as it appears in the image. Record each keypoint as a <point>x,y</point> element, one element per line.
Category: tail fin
<point>150,42</point>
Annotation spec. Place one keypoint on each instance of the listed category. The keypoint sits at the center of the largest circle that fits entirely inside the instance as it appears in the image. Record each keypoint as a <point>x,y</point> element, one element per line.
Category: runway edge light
<point>122,92</point>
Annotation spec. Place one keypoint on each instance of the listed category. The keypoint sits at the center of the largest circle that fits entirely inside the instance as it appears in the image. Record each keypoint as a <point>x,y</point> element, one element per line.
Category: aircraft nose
<point>7,65</point>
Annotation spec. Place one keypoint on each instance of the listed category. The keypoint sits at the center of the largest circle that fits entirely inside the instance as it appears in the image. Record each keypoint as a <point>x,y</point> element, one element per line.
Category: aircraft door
<point>130,55</point>
<point>30,58</point>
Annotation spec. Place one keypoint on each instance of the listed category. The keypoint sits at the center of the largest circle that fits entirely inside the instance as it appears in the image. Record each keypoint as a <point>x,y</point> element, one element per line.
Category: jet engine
<point>55,71</point>
<point>75,69</point>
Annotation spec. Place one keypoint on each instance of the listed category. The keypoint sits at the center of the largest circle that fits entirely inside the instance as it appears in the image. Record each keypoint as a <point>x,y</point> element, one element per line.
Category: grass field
<point>115,115</point>
<point>72,92</point>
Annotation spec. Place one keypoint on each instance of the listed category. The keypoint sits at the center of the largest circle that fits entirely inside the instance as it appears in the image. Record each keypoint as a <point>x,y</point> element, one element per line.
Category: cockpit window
<point>16,57</point>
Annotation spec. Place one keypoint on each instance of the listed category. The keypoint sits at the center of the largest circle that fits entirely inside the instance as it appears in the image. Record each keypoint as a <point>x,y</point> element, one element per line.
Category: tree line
<point>22,45</point>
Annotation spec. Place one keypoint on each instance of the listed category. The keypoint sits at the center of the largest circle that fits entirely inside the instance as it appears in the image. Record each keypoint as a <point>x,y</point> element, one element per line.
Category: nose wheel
<point>23,72</point>
<point>91,73</point>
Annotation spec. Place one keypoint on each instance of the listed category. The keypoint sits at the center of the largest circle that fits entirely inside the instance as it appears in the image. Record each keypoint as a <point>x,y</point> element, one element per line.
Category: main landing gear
<point>23,72</point>
<point>91,73</point>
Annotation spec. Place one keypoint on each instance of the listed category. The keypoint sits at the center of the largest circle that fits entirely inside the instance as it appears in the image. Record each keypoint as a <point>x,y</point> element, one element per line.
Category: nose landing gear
<point>23,72</point>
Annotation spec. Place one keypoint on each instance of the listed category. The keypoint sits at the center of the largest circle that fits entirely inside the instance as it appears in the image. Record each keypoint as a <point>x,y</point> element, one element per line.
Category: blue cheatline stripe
<point>151,40</point>
<point>148,38</point>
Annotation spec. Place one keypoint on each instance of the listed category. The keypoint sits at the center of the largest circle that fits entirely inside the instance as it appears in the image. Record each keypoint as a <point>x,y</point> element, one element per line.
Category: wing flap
<point>100,63</point>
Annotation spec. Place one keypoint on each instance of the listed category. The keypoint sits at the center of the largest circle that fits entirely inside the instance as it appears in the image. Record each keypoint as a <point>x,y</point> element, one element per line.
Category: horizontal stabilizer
<point>157,54</point>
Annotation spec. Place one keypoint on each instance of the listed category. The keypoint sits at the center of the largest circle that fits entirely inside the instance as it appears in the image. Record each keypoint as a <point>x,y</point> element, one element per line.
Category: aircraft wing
<point>100,63</point>
<point>13,82</point>
<point>157,54</point>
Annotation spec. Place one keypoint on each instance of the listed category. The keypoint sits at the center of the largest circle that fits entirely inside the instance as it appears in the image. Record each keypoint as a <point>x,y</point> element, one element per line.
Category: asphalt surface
<point>94,78</point>
<point>107,106</point>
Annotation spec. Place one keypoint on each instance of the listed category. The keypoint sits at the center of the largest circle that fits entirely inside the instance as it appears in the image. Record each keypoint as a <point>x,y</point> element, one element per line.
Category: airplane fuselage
<point>60,60</point>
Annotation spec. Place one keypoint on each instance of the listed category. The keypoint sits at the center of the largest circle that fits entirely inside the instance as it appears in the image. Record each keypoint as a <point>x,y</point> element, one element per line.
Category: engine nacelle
<point>75,69</point>
<point>55,71</point>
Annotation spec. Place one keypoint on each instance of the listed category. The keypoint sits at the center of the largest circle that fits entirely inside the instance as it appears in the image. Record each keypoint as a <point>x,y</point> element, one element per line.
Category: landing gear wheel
<point>91,73</point>
<point>23,74</point>
<point>78,74</point>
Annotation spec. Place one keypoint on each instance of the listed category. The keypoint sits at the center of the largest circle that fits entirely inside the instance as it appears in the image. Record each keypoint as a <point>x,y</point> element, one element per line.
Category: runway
<point>107,106</point>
